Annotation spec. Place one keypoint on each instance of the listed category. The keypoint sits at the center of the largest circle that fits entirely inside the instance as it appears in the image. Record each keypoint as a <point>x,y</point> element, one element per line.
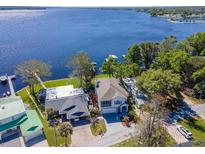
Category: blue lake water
<point>53,35</point>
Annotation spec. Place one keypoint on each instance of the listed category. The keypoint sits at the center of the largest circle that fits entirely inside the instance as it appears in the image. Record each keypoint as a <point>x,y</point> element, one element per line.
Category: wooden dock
<point>11,87</point>
<point>40,81</point>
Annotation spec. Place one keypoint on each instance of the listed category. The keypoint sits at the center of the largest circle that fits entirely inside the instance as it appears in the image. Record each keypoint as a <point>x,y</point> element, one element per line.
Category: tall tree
<point>82,68</point>
<point>148,52</point>
<point>109,66</point>
<point>133,70</point>
<point>28,69</point>
<point>52,116</point>
<point>199,78</point>
<point>173,60</point>
<point>65,129</point>
<point>151,133</point>
<point>120,71</point>
<point>194,44</point>
<point>162,82</point>
<point>123,70</point>
<point>194,64</point>
<point>168,43</point>
<point>134,55</point>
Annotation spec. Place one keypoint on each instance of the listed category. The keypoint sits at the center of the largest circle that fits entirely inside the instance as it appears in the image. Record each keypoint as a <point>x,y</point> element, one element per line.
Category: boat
<point>93,63</point>
<point>123,56</point>
<point>111,56</point>
<point>8,93</point>
<point>4,94</point>
<point>3,79</point>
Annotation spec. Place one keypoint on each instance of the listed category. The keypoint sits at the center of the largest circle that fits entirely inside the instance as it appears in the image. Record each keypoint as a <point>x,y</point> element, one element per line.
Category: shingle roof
<point>109,88</point>
<point>76,106</point>
<point>11,106</point>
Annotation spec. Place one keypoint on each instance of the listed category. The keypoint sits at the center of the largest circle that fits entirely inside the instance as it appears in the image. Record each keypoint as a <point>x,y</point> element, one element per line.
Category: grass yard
<point>197,127</point>
<point>131,143</point>
<point>98,127</point>
<point>49,131</point>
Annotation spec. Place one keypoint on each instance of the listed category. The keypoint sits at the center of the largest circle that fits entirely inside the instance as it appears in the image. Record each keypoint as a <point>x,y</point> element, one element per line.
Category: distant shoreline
<point>185,22</point>
<point>21,8</point>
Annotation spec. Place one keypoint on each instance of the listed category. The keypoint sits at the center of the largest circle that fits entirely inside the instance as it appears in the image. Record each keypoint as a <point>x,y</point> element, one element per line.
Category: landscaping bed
<point>98,127</point>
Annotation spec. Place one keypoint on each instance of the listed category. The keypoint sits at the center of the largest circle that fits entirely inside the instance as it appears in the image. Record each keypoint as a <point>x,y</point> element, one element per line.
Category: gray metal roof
<point>109,88</point>
<point>75,106</point>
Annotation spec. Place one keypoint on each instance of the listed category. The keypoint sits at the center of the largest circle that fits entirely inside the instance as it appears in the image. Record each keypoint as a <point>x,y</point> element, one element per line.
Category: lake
<point>54,34</point>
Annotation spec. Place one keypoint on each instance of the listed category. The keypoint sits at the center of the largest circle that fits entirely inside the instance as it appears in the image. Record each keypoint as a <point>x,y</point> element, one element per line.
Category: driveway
<point>116,132</point>
<point>183,111</point>
<point>199,109</point>
<point>82,135</point>
<point>179,138</point>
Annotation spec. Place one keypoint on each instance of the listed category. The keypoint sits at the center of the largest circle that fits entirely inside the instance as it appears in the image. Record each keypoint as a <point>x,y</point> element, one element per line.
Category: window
<point>105,103</point>
<point>118,102</point>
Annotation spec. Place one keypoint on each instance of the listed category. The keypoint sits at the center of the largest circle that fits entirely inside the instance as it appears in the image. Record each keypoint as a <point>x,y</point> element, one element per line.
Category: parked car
<point>184,131</point>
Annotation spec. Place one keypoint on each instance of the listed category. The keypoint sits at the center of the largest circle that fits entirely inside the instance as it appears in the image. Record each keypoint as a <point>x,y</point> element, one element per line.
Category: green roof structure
<point>11,106</point>
<point>31,124</point>
<point>14,123</point>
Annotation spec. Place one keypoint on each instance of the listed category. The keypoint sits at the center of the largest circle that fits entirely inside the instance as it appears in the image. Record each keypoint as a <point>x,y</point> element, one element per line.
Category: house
<point>111,96</point>
<point>71,103</point>
<point>14,118</point>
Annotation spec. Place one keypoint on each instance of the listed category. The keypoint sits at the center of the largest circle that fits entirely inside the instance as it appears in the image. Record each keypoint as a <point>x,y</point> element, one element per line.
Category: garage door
<point>109,110</point>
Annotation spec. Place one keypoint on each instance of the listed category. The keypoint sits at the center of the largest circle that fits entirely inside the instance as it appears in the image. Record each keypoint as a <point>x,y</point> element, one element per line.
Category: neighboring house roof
<point>109,88</point>
<point>75,106</point>
<point>11,106</point>
<point>14,123</point>
<point>29,123</point>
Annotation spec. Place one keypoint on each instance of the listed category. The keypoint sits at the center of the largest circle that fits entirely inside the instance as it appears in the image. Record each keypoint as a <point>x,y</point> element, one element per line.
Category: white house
<point>111,96</point>
<point>71,103</point>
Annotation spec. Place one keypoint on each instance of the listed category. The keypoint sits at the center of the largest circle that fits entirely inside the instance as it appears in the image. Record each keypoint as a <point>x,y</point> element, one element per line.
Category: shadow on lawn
<point>193,124</point>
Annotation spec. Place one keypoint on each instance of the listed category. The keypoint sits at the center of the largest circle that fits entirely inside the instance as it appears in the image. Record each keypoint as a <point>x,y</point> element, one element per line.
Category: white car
<point>184,131</point>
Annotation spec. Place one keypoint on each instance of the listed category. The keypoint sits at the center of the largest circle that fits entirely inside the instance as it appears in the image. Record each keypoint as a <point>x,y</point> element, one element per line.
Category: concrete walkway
<point>40,81</point>
<point>11,87</point>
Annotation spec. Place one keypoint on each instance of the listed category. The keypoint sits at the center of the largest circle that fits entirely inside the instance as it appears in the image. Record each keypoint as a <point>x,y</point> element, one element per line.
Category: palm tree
<point>65,129</point>
<point>52,115</point>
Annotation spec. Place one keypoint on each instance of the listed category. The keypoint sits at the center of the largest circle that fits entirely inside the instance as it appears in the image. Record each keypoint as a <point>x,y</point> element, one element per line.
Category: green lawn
<point>131,143</point>
<point>98,127</point>
<point>197,127</point>
<point>49,131</point>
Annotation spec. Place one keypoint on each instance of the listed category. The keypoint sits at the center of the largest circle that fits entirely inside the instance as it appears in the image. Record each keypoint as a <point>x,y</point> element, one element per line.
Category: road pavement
<point>179,138</point>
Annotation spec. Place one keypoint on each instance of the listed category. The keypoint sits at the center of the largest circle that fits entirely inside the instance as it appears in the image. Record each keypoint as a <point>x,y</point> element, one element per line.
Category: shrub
<point>133,116</point>
<point>126,119</point>
<point>98,127</point>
